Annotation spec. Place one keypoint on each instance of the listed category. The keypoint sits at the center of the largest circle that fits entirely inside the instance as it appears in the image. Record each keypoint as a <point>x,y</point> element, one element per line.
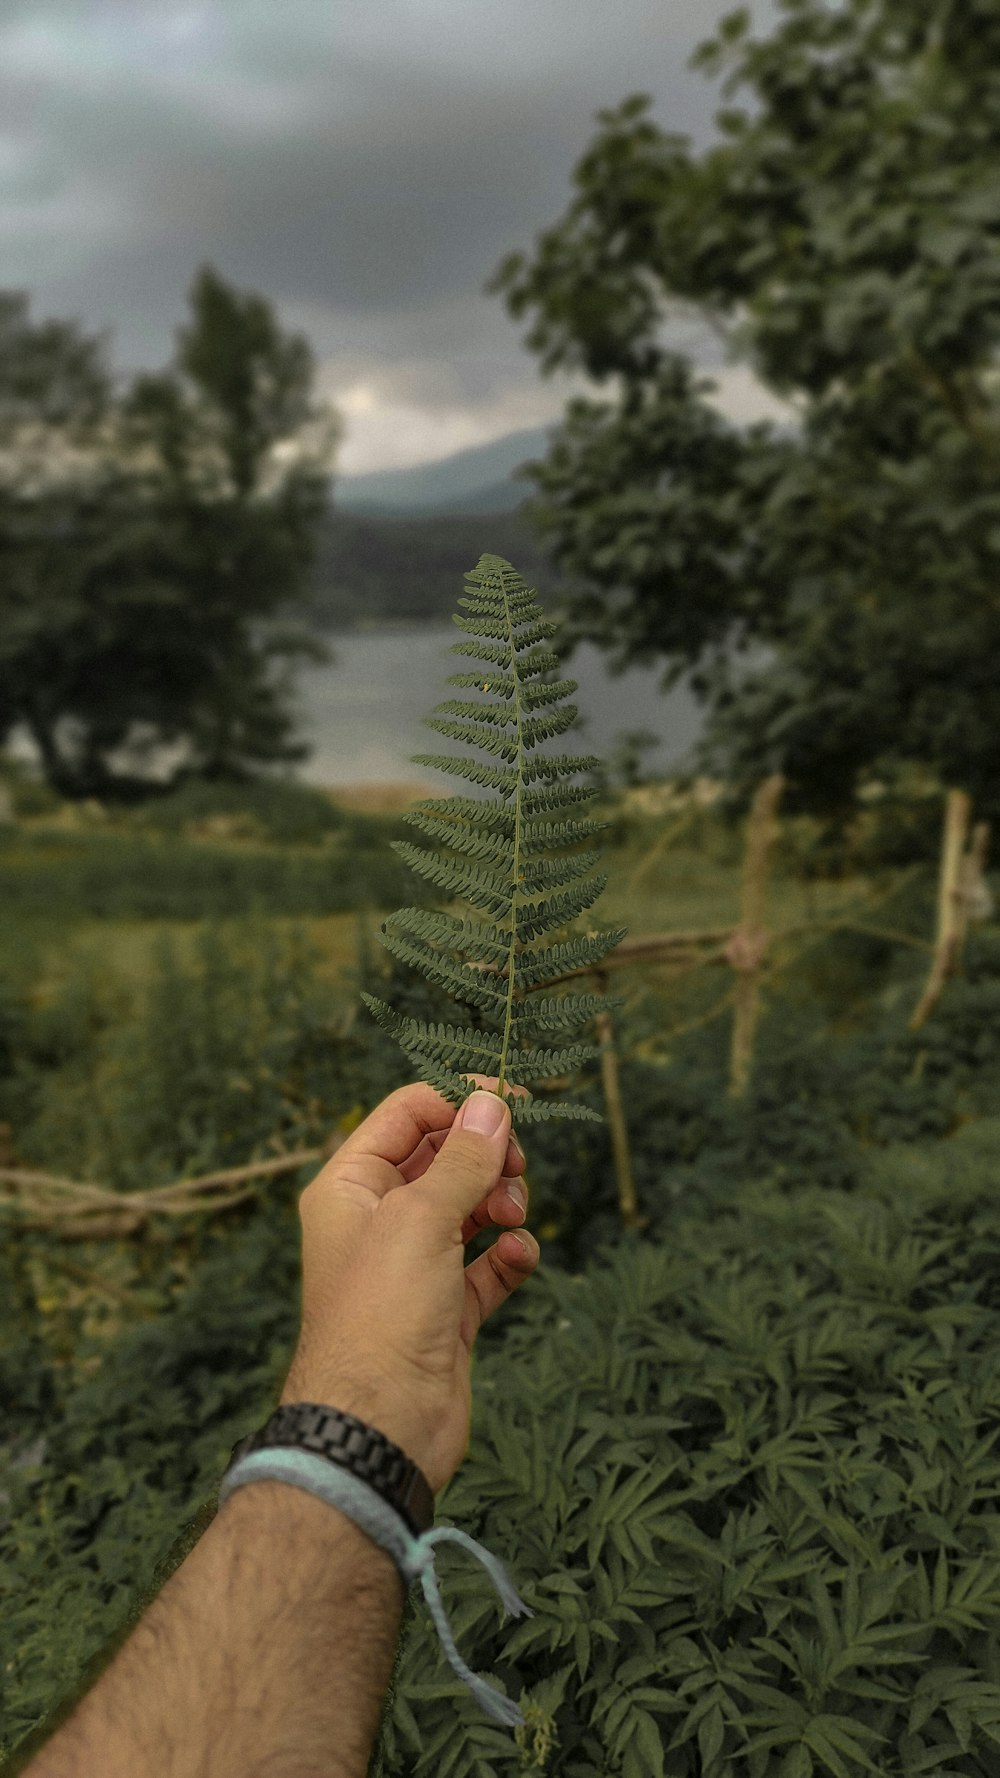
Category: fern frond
<point>516,857</point>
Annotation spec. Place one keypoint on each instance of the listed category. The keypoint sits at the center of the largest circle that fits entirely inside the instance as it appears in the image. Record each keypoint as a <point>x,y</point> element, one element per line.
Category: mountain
<point>473,481</point>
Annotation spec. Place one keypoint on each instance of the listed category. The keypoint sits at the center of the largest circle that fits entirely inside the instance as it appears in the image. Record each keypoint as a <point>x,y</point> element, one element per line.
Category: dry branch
<point>80,1211</point>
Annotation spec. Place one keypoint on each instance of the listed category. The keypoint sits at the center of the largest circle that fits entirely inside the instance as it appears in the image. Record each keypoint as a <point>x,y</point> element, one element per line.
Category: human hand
<point>389,1308</point>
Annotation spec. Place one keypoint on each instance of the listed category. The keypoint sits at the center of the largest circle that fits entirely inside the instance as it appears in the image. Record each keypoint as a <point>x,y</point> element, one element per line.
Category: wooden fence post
<point>748,946</point>
<point>952,913</point>
<point>621,1154</point>
<point>976,900</point>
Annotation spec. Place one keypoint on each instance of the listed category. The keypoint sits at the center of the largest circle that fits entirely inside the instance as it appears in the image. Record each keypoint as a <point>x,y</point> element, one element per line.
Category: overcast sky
<point>364,164</point>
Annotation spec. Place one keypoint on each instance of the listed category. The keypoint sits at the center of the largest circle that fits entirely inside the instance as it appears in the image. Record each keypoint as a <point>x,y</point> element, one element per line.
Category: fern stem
<point>518,714</point>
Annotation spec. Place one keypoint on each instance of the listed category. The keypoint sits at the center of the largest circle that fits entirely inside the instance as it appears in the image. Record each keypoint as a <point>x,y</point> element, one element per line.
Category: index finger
<point>397,1127</point>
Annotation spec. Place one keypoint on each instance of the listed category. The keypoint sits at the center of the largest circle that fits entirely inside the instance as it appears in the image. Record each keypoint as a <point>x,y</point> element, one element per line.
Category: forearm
<point>267,1654</point>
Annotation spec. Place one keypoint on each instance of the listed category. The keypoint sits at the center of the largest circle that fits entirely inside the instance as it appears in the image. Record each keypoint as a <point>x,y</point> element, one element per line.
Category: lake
<point>362,714</point>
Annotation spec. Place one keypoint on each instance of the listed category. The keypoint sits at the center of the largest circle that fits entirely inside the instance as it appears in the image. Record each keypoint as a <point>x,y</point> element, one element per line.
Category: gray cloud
<point>364,166</point>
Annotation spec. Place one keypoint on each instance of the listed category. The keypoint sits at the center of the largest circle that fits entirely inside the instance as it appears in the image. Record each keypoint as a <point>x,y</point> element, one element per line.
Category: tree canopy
<point>150,533</point>
<point>842,236</point>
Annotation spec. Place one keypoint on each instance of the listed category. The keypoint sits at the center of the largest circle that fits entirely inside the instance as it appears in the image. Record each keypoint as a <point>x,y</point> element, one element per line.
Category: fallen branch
<point>84,1211</point>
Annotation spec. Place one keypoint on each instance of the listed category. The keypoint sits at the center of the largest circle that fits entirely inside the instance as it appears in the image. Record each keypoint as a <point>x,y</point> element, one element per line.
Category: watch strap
<point>353,1445</point>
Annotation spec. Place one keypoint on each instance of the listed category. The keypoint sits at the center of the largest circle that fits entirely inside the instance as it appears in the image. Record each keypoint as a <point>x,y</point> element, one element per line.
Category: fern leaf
<point>457,978</point>
<point>463,937</point>
<point>534,968</point>
<point>537,916</point>
<point>542,1016</point>
<point>479,712</point>
<point>497,777</point>
<point>484,888</point>
<point>463,811</point>
<point>460,837</point>
<point>475,734</point>
<point>516,857</point>
<point>536,697</point>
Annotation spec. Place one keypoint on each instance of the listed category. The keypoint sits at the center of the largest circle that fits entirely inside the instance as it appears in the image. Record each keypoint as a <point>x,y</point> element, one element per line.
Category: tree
<point>843,237</point>
<point>149,540</point>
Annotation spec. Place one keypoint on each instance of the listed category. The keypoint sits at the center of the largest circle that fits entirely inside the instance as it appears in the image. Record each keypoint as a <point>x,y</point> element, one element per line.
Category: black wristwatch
<point>351,1445</point>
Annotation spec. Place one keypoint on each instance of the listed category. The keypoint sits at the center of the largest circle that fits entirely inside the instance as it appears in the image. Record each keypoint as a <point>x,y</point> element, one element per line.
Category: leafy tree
<point>149,537</point>
<point>843,236</point>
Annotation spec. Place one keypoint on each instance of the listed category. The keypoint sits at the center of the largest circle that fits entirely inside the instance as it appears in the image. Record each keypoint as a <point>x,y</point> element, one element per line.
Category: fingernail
<point>484,1113</point>
<point>516,1195</point>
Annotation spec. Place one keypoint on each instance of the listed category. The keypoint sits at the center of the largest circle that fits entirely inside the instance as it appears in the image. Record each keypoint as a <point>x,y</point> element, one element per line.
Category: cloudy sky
<point>363,163</point>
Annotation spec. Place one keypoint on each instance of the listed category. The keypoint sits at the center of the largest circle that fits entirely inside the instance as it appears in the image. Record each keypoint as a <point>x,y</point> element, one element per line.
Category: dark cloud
<point>364,166</point>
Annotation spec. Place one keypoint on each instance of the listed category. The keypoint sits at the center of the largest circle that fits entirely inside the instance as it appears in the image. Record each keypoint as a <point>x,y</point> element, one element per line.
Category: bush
<point>129,876</point>
<point>273,809</point>
<point>232,1044</point>
<point>745,1480</point>
<point>744,1477</point>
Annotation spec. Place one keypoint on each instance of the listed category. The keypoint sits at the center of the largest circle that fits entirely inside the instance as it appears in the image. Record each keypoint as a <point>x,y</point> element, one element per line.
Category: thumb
<point>470,1161</point>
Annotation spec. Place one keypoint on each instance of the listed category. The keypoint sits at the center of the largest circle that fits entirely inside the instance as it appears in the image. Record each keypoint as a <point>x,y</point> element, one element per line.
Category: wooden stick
<point>972,885</point>
<point>951,901</point>
<point>620,1151</point>
<point>749,944</point>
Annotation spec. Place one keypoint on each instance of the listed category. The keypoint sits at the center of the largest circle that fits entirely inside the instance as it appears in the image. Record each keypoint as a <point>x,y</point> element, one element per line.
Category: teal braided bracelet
<point>412,1555</point>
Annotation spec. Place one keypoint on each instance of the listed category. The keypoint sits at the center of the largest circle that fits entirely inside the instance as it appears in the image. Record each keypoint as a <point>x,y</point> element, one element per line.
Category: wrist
<point>380,1409</point>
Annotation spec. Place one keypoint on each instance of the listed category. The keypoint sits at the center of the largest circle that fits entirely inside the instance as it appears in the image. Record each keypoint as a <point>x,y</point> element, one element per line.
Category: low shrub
<point>276,809</point>
<point>746,1480</point>
<point>129,876</point>
<point>745,1477</point>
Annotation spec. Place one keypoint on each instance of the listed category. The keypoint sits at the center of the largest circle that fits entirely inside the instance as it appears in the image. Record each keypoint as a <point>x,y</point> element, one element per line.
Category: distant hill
<point>376,569</point>
<point>477,480</point>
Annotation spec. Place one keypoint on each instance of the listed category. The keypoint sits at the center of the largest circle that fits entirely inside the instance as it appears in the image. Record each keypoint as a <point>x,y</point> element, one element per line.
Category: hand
<point>389,1308</point>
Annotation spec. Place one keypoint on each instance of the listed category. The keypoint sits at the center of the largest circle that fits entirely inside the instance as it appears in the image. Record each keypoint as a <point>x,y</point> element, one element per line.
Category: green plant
<point>745,1477</point>
<point>493,853</point>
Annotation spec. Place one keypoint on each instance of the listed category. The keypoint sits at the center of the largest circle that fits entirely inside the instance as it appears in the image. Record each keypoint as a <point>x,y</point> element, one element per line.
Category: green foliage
<point>495,855</point>
<point>843,234</point>
<point>371,569</point>
<point>137,875</point>
<point>745,1478</point>
<point>149,540</point>
<point>742,1467</point>
<point>279,810</point>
